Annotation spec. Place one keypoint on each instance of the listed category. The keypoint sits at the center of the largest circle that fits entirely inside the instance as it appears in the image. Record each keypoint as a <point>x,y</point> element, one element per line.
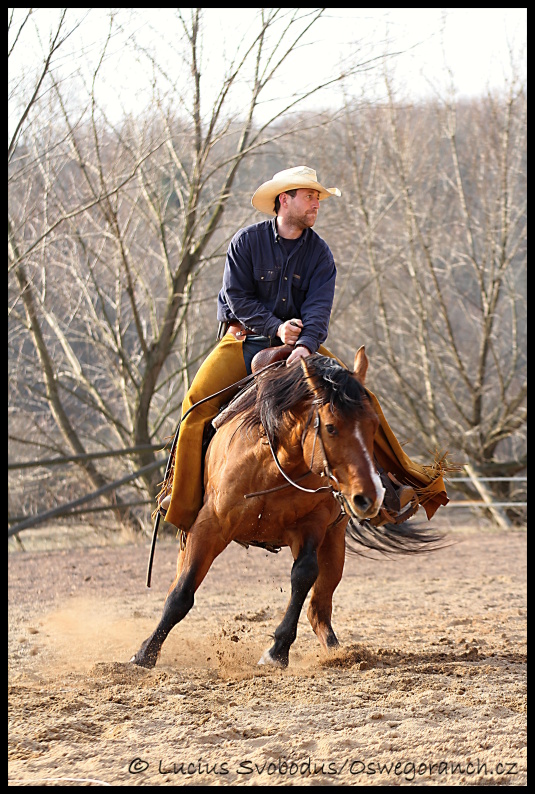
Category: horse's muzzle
<point>363,506</point>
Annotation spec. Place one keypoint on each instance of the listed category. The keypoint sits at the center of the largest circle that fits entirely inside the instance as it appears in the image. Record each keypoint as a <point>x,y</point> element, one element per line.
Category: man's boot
<point>400,501</point>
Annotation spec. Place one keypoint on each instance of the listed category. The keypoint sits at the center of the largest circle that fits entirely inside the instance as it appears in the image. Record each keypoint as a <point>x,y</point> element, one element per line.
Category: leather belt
<point>238,330</point>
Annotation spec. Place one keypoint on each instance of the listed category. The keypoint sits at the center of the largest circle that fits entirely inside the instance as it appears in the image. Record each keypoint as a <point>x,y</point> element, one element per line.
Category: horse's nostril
<point>362,503</point>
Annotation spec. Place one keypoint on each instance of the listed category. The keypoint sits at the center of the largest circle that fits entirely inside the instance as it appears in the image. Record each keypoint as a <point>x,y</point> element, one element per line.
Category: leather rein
<point>327,472</point>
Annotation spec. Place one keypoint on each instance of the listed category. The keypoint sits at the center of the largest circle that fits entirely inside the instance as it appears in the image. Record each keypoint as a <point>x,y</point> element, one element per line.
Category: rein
<point>336,492</point>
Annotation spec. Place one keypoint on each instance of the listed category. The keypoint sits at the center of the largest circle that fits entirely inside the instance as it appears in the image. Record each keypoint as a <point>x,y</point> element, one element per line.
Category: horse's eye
<point>331,429</point>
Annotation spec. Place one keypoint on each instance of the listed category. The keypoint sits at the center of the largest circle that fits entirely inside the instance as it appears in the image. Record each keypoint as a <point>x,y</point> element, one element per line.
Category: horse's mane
<point>277,391</point>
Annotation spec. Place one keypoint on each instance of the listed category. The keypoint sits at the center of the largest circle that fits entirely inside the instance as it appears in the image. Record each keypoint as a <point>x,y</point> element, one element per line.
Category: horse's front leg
<point>331,558</point>
<point>203,544</point>
<point>303,576</point>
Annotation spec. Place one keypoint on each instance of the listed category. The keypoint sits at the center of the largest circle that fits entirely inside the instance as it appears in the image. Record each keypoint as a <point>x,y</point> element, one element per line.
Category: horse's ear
<point>360,366</point>
<point>311,379</point>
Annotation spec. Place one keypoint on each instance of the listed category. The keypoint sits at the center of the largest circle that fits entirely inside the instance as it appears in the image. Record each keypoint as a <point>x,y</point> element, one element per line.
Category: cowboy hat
<point>291,178</point>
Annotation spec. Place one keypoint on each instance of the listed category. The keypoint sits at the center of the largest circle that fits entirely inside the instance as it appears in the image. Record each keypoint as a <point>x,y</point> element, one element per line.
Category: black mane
<point>277,391</point>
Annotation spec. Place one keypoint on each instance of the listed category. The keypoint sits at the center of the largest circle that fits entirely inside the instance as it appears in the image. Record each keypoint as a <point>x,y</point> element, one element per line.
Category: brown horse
<point>291,464</point>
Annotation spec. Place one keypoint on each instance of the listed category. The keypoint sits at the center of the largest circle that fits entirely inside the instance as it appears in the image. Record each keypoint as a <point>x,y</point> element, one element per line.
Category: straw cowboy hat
<point>298,177</point>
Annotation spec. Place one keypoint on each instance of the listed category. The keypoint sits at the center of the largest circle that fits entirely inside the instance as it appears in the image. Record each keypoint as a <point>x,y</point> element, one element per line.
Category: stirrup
<point>399,504</point>
<point>409,505</point>
<point>405,495</point>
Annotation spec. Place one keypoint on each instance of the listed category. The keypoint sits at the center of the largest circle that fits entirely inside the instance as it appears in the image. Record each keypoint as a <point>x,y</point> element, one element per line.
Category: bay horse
<point>291,464</point>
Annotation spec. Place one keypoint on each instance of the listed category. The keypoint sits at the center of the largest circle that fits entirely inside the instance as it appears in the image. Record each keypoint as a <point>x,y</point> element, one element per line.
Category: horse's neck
<point>289,448</point>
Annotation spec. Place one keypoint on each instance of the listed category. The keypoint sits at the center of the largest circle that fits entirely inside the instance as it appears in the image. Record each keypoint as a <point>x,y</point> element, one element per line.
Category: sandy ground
<point>428,689</point>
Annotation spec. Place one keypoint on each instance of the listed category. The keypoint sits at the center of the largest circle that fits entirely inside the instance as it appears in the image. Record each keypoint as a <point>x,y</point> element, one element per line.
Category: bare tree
<point>439,254</point>
<point>118,223</point>
<point>117,228</point>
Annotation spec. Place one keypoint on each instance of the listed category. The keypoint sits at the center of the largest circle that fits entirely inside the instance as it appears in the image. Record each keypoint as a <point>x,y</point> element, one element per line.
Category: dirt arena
<point>429,688</point>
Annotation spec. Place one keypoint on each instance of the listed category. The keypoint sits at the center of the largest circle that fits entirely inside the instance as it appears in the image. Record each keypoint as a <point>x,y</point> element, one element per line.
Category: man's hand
<point>298,352</point>
<point>289,331</point>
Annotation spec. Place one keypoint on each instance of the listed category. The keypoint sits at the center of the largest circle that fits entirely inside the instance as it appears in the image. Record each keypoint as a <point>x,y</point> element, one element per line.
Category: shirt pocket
<point>267,282</point>
<point>298,282</point>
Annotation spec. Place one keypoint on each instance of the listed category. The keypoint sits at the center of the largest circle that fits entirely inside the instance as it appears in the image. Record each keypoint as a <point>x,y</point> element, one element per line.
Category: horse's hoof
<point>142,661</point>
<point>267,659</point>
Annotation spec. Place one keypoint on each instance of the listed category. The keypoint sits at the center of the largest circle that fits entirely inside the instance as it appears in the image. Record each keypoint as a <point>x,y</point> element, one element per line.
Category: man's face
<point>302,210</point>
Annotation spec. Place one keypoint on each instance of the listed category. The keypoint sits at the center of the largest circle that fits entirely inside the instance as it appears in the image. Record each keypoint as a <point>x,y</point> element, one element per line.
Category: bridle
<point>335,489</point>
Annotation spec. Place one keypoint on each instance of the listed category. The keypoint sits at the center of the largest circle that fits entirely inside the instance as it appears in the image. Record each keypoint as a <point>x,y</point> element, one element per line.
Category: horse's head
<point>341,443</point>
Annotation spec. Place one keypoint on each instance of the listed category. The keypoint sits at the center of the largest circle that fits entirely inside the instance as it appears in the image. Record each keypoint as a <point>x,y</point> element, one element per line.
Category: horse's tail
<point>407,538</point>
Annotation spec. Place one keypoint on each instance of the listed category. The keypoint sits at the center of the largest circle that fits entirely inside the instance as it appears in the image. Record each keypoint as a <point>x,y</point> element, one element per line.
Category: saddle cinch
<point>400,500</point>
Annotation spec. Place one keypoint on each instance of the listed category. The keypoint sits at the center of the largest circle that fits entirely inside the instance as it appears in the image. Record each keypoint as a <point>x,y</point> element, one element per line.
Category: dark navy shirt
<point>263,285</point>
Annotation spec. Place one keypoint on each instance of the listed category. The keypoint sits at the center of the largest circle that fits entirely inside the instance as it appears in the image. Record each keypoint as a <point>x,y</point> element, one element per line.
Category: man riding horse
<point>278,289</point>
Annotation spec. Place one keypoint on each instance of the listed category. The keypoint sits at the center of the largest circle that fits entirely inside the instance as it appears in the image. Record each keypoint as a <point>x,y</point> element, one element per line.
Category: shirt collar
<point>276,234</point>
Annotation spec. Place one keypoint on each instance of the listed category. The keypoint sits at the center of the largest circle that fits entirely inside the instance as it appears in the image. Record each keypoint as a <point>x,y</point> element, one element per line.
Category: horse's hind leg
<point>303,576</point>
<point>194,563</point>
<point>331,557</point>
